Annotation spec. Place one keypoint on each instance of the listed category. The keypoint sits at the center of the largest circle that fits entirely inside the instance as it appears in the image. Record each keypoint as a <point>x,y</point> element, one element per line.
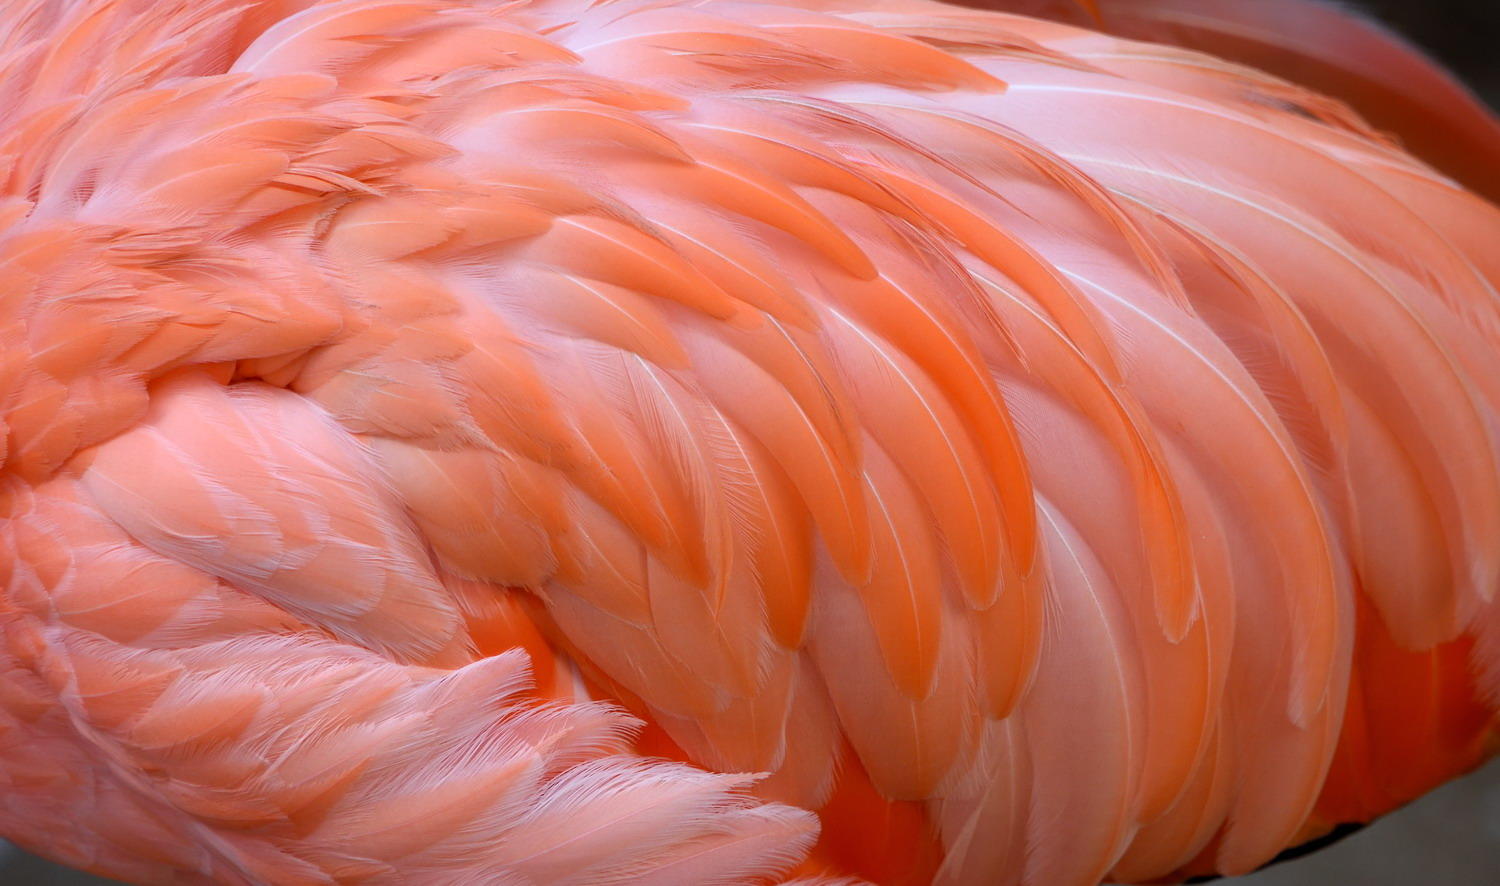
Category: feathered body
<point>971,448</point>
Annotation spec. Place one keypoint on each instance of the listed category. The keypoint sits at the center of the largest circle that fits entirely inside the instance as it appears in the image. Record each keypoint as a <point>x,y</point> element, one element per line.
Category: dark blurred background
<point>1449,838</point>
<point>1460,32</point>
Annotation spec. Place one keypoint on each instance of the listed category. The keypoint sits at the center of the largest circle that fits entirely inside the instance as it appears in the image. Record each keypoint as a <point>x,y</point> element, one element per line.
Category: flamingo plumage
<point>598,441</point>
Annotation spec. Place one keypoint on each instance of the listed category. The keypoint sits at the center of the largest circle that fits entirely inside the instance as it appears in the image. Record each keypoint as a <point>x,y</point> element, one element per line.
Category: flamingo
<point>736,441</point>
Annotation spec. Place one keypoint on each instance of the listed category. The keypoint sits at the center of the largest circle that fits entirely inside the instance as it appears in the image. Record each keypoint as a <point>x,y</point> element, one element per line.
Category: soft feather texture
<point>1329,46</point>
<point>1038,456</point>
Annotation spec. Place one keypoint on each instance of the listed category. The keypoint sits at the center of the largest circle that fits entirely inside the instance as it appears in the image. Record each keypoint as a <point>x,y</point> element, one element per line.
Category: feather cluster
<point>1060,438</point>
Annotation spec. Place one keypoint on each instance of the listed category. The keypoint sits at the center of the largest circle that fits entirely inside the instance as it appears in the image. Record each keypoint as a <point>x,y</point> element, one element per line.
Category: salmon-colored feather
<point>578,442</point>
